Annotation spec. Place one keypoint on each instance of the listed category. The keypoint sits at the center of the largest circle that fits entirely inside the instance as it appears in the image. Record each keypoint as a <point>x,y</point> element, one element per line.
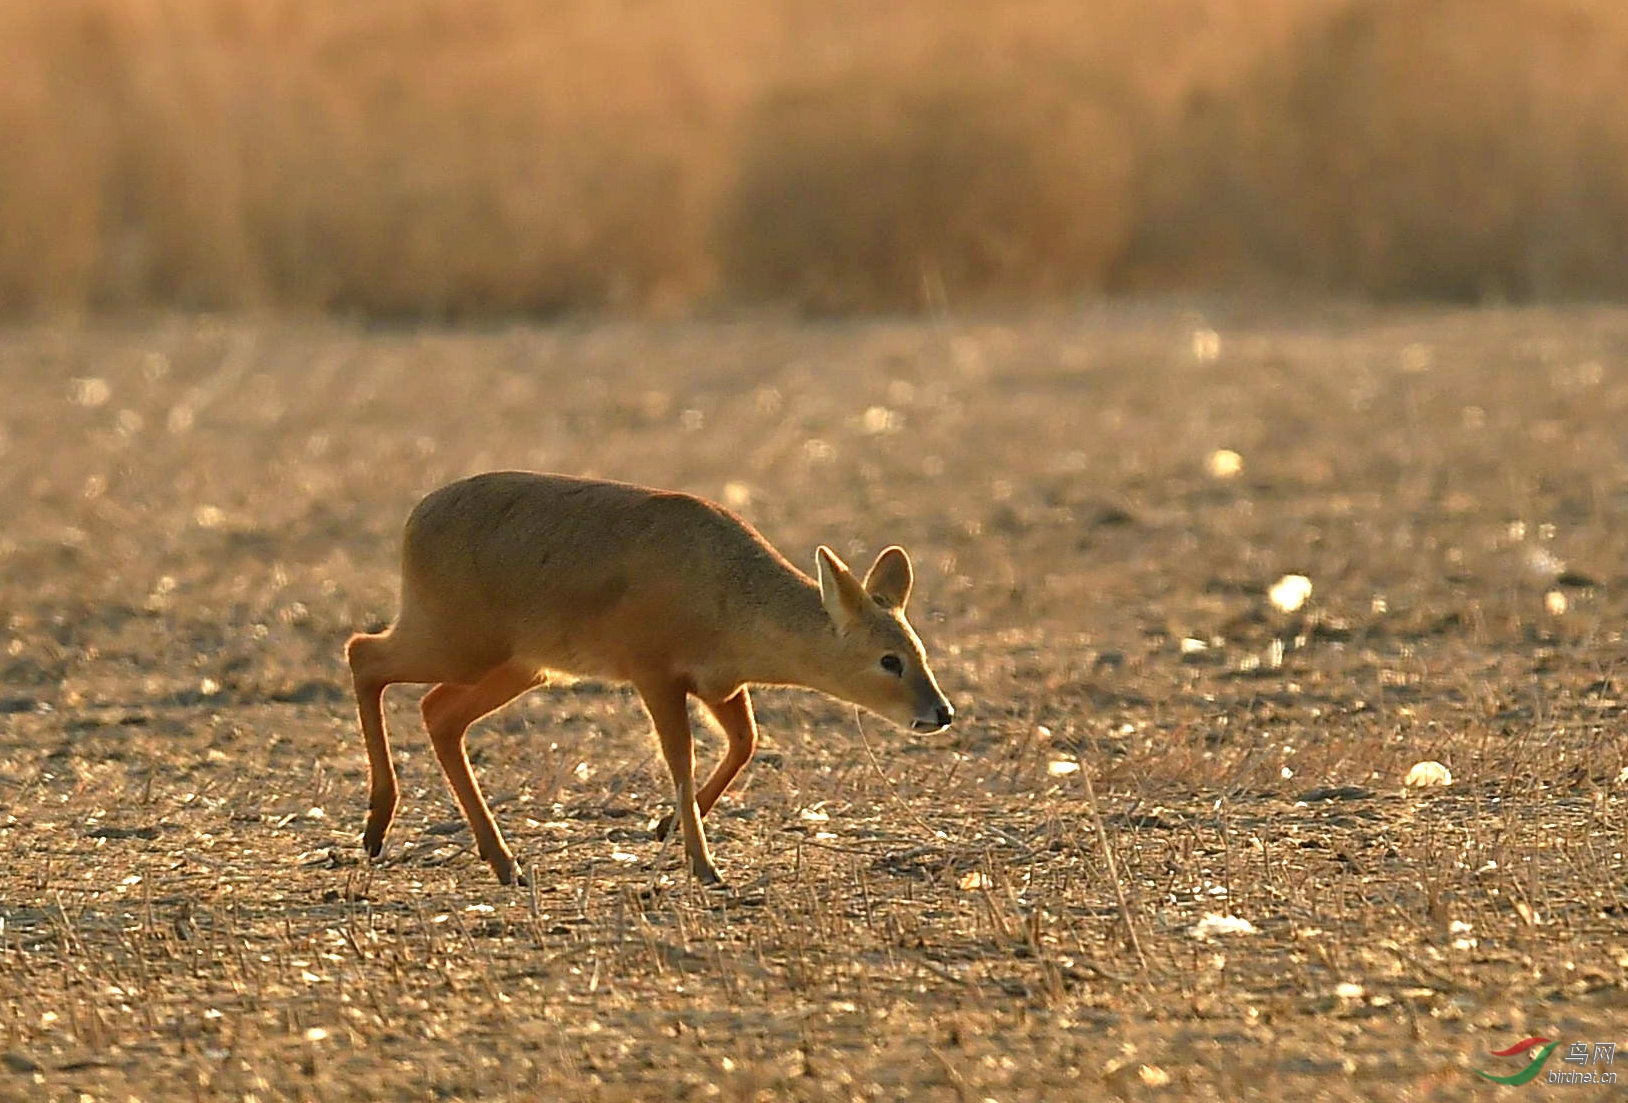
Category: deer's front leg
<point>665,702</point>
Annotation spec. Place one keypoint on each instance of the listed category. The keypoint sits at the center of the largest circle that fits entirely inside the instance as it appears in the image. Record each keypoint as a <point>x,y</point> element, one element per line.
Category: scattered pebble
<point>1428,775</point>
<point>879,419</point>
<point>1290,592</point>
<point>1153,1076</point>
<point>1544,564</point>
<point>1215,926</point>
<point>89,393</point>
<point>1224,463</point>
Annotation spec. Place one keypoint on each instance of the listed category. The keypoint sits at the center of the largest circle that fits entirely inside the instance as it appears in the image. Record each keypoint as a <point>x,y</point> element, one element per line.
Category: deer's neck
<point>794,640</point>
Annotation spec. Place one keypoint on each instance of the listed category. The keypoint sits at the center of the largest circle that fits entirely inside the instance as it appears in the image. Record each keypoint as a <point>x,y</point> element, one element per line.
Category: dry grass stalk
<point>1131,937</point>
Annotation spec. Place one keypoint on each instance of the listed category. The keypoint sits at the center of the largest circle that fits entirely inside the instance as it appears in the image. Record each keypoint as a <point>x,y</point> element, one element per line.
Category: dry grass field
<point>197,512</point>
<point>429,158</point>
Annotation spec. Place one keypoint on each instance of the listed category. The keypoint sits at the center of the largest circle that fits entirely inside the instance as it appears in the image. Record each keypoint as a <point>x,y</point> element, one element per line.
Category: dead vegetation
<point>198,512</point>
<point>420,159</point>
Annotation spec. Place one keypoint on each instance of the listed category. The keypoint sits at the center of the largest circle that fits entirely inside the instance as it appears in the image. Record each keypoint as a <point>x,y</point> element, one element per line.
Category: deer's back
<point>580,575</point>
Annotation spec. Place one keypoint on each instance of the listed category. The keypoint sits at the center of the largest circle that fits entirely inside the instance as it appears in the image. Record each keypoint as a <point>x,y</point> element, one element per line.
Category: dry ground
<point>197,512</point>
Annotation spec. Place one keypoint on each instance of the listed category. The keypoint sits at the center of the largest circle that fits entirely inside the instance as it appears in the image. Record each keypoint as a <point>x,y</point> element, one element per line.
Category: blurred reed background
<point>437,158</point>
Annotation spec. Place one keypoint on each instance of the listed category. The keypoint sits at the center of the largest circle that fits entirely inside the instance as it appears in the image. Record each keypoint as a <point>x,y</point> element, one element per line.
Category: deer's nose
<point>940,718</point>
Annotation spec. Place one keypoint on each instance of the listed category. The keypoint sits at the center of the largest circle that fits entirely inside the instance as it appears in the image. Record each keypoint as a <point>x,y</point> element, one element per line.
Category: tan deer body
<point>510,575</point>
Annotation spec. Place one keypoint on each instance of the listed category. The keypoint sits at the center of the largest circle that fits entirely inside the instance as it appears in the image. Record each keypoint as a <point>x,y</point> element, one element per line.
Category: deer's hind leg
<point>376,662</point>
<point>448,710</point>
<point>401,653</point>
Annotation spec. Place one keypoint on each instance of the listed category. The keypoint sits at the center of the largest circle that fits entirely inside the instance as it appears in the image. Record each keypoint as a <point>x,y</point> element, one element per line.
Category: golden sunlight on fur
<point>509,575</point>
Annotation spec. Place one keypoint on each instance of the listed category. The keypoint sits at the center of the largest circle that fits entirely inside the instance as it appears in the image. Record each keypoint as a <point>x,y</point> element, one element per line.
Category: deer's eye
<point>893,665</point>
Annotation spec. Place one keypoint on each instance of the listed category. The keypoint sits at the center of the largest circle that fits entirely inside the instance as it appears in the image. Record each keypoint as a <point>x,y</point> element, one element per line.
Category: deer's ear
<point>890,578</point>
<point>840,592</point>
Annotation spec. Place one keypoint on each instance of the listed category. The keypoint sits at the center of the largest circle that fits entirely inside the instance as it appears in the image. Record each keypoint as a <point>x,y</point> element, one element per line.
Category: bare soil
<point>196,512</point>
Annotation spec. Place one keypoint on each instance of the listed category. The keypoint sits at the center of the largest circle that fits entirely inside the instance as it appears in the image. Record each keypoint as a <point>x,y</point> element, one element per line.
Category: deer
<point>510,576</point>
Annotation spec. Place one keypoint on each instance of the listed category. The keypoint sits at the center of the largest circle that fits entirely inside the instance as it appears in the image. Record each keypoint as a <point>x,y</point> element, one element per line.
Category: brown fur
<point>509,575</point>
